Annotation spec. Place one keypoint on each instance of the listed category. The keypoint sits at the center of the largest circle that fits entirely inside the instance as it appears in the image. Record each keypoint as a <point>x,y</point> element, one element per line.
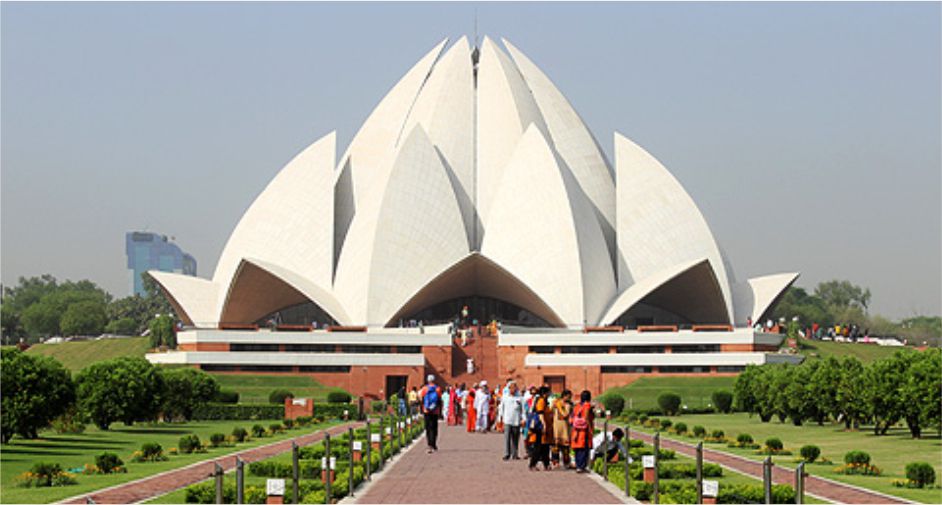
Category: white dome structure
<point>474,178</point>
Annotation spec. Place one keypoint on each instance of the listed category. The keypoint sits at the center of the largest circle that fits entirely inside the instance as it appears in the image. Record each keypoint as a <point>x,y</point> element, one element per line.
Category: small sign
<point>346,412</point>
<point>299,401</point>
<point>648,461</point>
<point>275,487</point>
<point>374,437</point>
<point>333,463</point>
<point>402,425</point>
<point>357,445</point>
<point>408,422</point>
<point>711,488</point>
<point>388,430</point>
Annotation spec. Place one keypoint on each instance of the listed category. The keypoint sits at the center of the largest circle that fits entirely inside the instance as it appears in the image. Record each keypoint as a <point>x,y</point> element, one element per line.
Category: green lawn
<point>694,391</point>
<point>74,450</point>
<point>77,355</point>
<point>864,352</point>
<point>890,453</point>
<point>256,388</point>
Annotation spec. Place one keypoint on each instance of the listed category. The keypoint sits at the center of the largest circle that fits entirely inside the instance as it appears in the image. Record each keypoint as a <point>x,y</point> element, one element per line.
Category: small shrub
<point>276,428</point>
<point>189,444</point>
<point>857,458</point>
<point>810,453</point>
<point>613,402</point>
<point>666,424</point>
<point>653,422</point>
<point>258,431</point>
<point>224,396</point>
<point>680,428</point>
<point>699,431</point>
<point>279,395</point>
<point>643,418</point>
<point>289,423</point>
<point>44,474</point>
<point>744,438</point>
<point>71,421</point>
<point>217,439</point>
<point>774,444</point>
<point>920,474</point>
<point>109,462</point>
<point>303,420</point>
<point>239,434</point>
<point>150,451</point>
<point>718,436</point>
<point>669,403</point>
<point>723,401</point>
<point>338,397</point>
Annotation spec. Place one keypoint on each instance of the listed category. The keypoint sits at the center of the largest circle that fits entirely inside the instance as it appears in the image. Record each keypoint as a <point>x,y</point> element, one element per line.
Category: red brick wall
<point>294,411</point>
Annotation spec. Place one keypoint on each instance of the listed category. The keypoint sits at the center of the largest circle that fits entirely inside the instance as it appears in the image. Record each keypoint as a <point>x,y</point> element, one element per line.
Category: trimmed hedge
<point>338,397</point>
<point>224,396</point>
<point>810,453</point>
<point>669,403</point>
<point>239,412</point>
<point>278,396</point>
<point>920,474</point>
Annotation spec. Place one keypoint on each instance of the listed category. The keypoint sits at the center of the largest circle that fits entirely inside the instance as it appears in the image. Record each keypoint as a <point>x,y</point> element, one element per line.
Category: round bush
<point>108,462</point>
<point>289,423</point>
<point>810,453</point>
<point>338,397</point>
<point>642,418</point>
<point>744,438</point>
<point>279,395</point>
<point>680,428</point>
<point>151,450</point>
<point>723,401</point>
<point>669,403</point>
<point>666,423</point>
<point>217,439</point>
<point>699,431</point>
<point>239,434</point>
<point>614,403</point>
<point>920,474</point>
<point>857,458</point>
<point>227,397</point>
<point>774,444</point>
<point>258,431</point>
<point>653,422</point>
<point>276,428</point>
<point>189,443</point>
<point>720,434</point>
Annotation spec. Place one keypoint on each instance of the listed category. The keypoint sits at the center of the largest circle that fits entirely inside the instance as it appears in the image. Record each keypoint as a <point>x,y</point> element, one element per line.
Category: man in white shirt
<point>482,404</point>
<point>610,445</point>
<point>510,412</point>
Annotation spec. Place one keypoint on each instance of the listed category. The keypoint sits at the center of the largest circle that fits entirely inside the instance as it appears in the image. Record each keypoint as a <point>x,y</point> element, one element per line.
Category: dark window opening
<point>688,349</point>
<point>626,369</point>
<point>639,349</point>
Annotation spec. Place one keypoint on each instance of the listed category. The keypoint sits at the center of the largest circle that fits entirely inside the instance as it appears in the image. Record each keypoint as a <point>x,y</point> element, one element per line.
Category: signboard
<point>408,422</point>
<point>648,461</point>
<point>711,488</point>
<point>374,437</point>
<point>299,401</point>
<point>333,463</point>
<point>357,445</point>
<point>275,487</point>
<point>608,413</point>
<point>388,430</point>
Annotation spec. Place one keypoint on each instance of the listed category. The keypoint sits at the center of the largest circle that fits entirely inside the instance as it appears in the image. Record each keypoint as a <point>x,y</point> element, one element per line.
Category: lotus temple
<point>473,229</point>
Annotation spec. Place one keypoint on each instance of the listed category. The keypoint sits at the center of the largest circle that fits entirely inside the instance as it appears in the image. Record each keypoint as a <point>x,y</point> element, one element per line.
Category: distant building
<point>150,251</point>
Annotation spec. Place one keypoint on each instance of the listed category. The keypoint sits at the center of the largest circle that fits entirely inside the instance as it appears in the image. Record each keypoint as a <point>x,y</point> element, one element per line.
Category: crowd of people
<point>557,429</point>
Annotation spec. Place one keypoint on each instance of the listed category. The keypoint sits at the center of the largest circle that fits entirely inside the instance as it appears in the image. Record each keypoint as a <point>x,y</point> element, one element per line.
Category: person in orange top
<point>562,409</point>
<point>472,412</point>
<point>582,422</point>
<point>540,429</point>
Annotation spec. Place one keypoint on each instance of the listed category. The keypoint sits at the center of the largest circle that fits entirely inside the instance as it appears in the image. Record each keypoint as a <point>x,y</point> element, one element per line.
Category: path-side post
<point>350,468</point>
<point>700,471</point>
<point>369,450</point>
<point>605,455</point>
<point>217,473</point>
<point>800,483</point>
<point>240,481</point>
<point>657,462</point>
<point>382,441</point>
<point>627,461</point>
<point>295,471</point>
<point>767,478</point>
<point>327,478</point>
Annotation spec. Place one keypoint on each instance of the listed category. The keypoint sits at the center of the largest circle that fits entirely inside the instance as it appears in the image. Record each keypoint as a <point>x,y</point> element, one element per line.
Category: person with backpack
<point>583,418</point>
<point>540,429</point>
<point>432,410</point>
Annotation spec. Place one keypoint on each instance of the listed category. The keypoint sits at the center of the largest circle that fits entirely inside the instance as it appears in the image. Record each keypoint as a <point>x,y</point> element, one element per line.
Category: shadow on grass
<point>79,440</point>
<point>153,431</point>
<point>29,450</point>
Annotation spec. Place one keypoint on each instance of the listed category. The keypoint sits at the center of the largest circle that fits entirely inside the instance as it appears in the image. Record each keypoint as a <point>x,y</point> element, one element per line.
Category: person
<point>470,408</point>
<point>524,429</point>
<point>540,431</point>
<point>446,402</point>
<point>451,411</point>
<point>611,447</point>
<point>413,399</point>
<point>402,402</point>
<point>432,409</point>
<point>510,413</point>
<point>582,430</point>
<point>482,401</point>
<point>470,365</point>
<point>562,408</point>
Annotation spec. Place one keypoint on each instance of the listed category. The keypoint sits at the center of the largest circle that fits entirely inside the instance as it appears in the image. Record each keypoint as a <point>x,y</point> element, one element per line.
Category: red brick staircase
<point>483,349</point>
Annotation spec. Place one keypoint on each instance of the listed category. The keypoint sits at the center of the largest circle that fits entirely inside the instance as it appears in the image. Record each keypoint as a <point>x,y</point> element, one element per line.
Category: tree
<point>799,401</point>
<point>842,294</point>
<point>850,392</point>
<point>12,328</point>
<point>162,331</point>
<point>744,389</point>
<point>43,302</point>
<point>185,389</point>
<point>139,309</point>
<point>84,318</point>
<point>883,380</point>
<point>36,390</point>
<point>780,380</point>
<point>122,326</point>
<point>723,401</point>
<point>808,308</point>
<point>824,378</point>
<point>123,389</point>
<point>919,391</point>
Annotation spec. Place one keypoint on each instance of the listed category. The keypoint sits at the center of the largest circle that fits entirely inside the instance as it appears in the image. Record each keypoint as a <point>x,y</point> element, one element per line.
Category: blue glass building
<point>150,251</point>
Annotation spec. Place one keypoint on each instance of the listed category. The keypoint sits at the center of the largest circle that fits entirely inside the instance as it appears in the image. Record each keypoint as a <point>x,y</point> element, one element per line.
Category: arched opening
<point>488,290</point>
<point>256,296</point>
<point>304,314</point>
<point>693,297</point>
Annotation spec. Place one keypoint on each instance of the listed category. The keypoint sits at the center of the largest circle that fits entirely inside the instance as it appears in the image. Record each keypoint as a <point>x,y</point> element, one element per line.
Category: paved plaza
<point>468,469</point>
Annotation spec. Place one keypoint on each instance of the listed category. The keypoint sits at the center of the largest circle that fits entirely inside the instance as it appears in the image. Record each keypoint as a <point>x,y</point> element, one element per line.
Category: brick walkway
<point>468,469</point>
<point>156,485</point>
<point>827,489</point>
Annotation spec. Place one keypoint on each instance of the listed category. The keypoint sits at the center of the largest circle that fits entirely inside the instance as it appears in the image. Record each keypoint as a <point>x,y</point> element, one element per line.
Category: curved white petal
<point>416,232</point>
<point>193,298</point>
<point>631,296</point>
<point>753,297</point>
<point>505,108</point>
<point>366,161</point>
<point>289,223</point>
<point>543,231</point>
<point>658,224</point>
<point>573,142</point>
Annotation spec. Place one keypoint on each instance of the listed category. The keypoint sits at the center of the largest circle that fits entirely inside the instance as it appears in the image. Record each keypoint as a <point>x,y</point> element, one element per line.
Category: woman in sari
<point>562,408</point>
<point>583,419</point>
<point>452,409</point>
<point>469,408</point>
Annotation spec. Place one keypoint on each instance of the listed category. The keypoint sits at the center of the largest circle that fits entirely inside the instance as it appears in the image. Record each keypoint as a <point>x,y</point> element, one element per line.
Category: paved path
<point>171,480</point>
<point>828,489</point>
<point>468,469</point>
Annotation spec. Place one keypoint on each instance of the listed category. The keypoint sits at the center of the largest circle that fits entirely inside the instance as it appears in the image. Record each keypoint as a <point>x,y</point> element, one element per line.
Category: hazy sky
<point>809,134</point>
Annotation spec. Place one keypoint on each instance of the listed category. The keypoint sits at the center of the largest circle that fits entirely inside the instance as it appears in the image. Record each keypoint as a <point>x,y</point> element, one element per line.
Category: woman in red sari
<point>452,407</point>
<point>469,408</point>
